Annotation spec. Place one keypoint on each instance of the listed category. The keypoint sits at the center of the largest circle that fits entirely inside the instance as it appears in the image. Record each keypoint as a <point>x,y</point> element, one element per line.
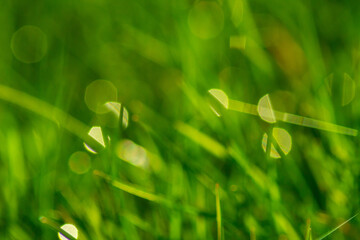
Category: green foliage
<point>162,164</point>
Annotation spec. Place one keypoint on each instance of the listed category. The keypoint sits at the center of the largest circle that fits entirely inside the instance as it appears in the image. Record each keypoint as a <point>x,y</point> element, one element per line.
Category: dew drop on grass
<point>283,140</point>
<point>70,229</point>
<point>96,134</point>
<point>206,19</point>
<point>98,143</point>
<point>98,93</point>
<point>29,44</point>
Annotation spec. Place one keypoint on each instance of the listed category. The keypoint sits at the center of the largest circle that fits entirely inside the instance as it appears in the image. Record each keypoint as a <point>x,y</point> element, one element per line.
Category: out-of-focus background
<point>108,129</point>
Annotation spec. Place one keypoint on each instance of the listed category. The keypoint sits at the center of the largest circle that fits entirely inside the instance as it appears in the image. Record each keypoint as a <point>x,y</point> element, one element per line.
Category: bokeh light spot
<point>341,88</point>
<point>237,11</point>
<point>98,93</point>
<point>273,152</point>
<point>79,162</point>
<point>206,19</point>
<point>238,42</point>
<point>70,229</point>
<point>116,108</point>
<point>218,101</point>
<point>265,110</point>
<point>29,44</point>
<point>132,153</point>
<point>283,140</point>
<point>220,96</point>
<point>349,87</point>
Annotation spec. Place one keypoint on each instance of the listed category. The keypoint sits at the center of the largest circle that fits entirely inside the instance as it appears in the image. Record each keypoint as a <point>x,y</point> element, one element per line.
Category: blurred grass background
<point>159,59</point>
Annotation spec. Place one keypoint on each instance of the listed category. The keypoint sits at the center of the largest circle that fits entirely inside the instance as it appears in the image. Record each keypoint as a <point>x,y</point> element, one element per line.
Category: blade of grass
<point>308,230</point>
<point>44,109</point>
<point>285,226</point>
<point>252,234</point>
<point>202,139</point>
<point>336,228</point>
<point>149,196</point>
<point>218,211</point>
<point>132,190</point>
<point>250,169</point>
<point>243,107</point>
<point>53,225</point>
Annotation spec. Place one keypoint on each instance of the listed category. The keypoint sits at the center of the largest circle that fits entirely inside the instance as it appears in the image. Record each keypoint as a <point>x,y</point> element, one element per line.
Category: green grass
<point>177,170</point>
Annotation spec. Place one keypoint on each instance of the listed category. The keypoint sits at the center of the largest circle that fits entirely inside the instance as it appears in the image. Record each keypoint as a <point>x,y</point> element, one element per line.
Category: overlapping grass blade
<point>336,228</point>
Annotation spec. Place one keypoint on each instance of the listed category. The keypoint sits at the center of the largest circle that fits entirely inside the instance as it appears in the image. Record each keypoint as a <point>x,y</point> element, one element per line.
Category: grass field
<point>228,119</point>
